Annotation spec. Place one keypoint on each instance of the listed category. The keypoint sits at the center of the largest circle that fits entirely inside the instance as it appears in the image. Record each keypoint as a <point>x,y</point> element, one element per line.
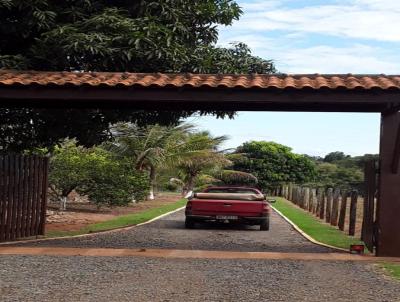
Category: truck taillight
<point>265,209</point>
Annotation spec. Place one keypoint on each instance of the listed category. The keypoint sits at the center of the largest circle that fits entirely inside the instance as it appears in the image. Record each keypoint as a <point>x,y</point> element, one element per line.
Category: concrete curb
<point>93,233</point>
<point>309,238</point>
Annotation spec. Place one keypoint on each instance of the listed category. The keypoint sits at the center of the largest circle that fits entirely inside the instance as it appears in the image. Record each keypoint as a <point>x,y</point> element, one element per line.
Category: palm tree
<point>202,154</point>
<point>150,147</point>
<point>174,148</point>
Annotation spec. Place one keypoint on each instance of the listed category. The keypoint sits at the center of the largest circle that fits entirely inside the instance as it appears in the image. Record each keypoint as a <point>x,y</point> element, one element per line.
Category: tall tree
<point>272,163</point>
<point>203,152</point>
<point>176,148</point>
<point>150,147</point>
<point>103,35</point>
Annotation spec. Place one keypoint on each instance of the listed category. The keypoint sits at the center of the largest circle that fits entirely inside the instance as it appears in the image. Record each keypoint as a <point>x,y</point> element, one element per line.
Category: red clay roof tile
<point>263,81</point>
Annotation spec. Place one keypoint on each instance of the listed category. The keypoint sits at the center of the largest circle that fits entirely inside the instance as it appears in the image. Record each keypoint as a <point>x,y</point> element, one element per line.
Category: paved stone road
<point>108,279</point>
<point>169,232</point>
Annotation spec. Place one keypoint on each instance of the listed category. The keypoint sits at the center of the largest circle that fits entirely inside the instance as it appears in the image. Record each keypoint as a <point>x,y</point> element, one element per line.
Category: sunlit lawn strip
<point>121,221</point>
<point>314,227</point>
<point>392,268</point>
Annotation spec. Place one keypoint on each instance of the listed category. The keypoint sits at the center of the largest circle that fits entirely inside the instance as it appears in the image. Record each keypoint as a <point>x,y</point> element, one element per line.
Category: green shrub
<point>114,181</point>
<point>97,173</point>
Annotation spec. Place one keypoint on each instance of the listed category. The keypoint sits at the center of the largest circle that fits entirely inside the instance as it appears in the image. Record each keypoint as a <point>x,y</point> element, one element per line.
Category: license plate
<point>222,217</point>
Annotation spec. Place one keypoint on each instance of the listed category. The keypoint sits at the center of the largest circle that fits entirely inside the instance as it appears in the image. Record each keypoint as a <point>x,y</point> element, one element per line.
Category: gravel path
<point>108,279</point>
<point>169,232</point>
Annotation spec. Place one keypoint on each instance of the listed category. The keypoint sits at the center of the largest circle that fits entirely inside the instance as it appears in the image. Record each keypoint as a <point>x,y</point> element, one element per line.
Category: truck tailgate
<point>227,207</point>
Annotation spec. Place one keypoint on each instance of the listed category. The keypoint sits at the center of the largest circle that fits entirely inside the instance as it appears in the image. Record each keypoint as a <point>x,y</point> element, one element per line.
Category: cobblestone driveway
<point>169,232</point>
<point>108,279</point>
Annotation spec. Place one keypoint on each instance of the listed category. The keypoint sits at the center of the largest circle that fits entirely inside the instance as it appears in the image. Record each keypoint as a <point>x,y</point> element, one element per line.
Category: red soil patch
<point>78,215</point>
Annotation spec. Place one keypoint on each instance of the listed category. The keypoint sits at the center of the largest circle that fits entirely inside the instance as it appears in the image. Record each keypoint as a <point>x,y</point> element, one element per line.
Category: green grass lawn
<point>121,221</point>
<point>314,227</point>
<point>392,268</point>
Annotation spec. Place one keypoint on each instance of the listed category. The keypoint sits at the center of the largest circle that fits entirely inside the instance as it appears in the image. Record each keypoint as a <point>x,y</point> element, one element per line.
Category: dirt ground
<point>80,214</point>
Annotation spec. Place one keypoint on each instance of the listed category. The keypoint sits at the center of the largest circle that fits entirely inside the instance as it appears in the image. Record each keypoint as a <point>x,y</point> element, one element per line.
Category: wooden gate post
<point>388,212</point>
<point>367,232</point>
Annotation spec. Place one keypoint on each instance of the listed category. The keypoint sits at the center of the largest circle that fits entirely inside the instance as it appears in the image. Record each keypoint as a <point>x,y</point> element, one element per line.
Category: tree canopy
<point>338,169</point>
<point>272,163</point>
<point>104,35</point>
<point>335,156</point>
<point>122,35</point>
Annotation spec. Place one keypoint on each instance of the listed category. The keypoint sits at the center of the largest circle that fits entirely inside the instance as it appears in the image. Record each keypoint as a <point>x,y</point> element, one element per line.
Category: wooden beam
<point>228,99</point>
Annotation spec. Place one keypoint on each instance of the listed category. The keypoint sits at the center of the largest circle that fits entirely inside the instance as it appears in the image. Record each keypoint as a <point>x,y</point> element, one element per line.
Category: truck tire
<point>189,223</point>
<point>264,226</point>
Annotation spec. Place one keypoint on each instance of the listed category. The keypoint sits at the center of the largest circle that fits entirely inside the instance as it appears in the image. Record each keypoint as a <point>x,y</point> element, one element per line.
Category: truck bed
<point>213,207</point>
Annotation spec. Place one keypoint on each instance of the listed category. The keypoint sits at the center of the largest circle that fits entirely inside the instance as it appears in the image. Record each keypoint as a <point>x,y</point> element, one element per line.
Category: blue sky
<point>355,36</point>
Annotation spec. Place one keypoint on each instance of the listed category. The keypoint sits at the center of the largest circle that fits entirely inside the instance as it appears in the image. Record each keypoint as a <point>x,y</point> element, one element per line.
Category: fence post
<point>321,204</point>
<point>3,194</point>
<point>312,200</point>
<point>296,195</point>
<point>353,213</point>
<point>335,207</point>
<point>306,198</point>
<point>44,196</point>
<point>317,202</point>
<point>342,214</point>
<point>329,197</point>
<point>12,197</point>
<point>301,195</point>
<point>290,195</point>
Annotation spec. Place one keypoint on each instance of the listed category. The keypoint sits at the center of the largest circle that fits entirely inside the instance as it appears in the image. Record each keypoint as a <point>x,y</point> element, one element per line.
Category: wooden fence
<point>331,204</point>
<point>23,193</point>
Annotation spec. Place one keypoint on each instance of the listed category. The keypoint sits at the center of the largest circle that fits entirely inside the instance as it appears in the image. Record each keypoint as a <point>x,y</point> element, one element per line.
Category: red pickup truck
<point>229,204</point>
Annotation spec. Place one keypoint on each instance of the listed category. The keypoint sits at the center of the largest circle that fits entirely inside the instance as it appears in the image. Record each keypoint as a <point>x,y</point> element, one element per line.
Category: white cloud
<point>392,5</point>
<point>326,59</point>
<point>259,5</point>
<point>289,58</point>
<point>296,50</point>
<point>366,19</point>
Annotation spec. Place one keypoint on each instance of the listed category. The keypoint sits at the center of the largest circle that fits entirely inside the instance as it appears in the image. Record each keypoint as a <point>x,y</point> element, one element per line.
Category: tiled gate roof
<point>261,81</point>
